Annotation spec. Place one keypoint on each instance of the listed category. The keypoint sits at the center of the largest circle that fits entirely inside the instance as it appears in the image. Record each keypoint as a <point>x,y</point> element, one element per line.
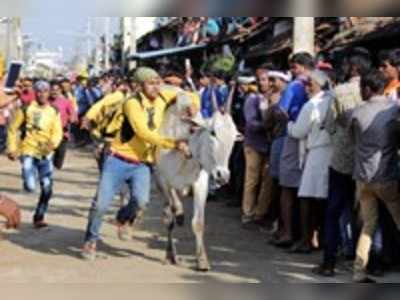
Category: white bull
<point>211,143</point>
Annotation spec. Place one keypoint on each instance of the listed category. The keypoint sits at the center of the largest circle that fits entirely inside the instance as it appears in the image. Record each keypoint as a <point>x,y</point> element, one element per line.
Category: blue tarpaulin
<point>165,52</point>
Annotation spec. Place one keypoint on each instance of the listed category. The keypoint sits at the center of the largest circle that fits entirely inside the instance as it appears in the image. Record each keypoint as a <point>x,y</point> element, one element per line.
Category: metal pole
<point>107,25</point>
<point>125,30</point>
<point>89,39</point>
<point>128,29</point>
<point>132,64</point>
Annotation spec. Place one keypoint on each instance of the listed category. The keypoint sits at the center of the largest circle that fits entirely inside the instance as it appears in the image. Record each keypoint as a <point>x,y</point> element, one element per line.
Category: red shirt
<point>67,112</point>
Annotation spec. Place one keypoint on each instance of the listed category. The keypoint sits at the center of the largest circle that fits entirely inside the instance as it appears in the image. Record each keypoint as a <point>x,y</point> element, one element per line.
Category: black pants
<point>237,168</point>
<point>341,197</point>
<point>3,137</point>
<point>60,153</point>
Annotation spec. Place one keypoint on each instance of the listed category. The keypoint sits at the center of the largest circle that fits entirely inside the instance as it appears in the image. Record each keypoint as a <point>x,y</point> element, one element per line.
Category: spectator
<point>292,101</point>
<point>389,66</point>
<point>257,181</point>
<point>236,102</point>
<point>275,128</point>
<point>87,93</point>
<point>68,116</point>
<point>215,95</point>
<point>341,185</point>
<point>309,128</point>
<point>67,91</point>
<point>375,138</point>
<point>210,29</point>
<point>190,32</point>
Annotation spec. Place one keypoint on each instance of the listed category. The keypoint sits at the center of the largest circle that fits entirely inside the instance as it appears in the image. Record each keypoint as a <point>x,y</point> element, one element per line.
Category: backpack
<point>109,121</point>
<point>113,120</point>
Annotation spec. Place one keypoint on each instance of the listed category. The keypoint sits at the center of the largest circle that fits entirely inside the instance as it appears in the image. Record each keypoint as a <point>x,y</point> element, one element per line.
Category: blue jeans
<point>42,169</point>
<point>115,174</point>
<point>340,198</point>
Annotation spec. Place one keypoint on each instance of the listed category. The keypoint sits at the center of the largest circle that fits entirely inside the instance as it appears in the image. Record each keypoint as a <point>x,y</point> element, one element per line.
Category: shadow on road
<point>64,241</point>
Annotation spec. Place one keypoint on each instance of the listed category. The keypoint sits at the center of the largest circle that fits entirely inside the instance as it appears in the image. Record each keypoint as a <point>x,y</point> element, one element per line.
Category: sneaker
<point>89,251</point>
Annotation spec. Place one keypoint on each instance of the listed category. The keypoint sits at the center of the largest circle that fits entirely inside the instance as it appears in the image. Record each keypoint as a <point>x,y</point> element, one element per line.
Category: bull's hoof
<point>203,266</point>
<point>180,220</point>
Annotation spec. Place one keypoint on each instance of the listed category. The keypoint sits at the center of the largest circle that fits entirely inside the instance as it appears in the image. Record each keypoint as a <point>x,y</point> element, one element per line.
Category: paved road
<point>53,255</point>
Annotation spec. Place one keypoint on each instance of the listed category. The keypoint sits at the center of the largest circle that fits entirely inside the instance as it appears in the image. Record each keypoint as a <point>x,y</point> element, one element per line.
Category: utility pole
<point>107,42</point>
<point>14,39</point>
<point>128,30</point>
<point>89,39</point>
<point>19,38</point>
<point>304,34</point>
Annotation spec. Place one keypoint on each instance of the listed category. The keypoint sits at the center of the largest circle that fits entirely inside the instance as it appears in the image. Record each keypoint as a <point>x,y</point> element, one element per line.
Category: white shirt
<point>310,123</point>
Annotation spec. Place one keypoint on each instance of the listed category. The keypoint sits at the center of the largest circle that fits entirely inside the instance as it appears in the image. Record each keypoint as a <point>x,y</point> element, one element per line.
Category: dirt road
<point>52,256</point>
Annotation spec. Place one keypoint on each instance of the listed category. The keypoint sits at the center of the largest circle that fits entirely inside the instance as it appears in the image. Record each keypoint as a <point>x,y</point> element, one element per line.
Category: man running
<point>33,135</point>
<point>131,154</point>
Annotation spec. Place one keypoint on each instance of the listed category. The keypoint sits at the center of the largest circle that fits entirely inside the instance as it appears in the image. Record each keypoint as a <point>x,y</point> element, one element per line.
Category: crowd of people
<point>316,167</point>
<point>200,30</point>
<point>321,158</point>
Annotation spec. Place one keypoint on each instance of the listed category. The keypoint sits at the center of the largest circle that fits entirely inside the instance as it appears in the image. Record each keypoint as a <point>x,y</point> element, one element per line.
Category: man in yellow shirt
<point>33,135</point>
<point>131,154</point>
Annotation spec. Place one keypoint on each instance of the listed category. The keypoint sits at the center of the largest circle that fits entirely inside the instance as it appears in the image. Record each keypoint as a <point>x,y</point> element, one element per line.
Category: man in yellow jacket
<point>132,153</point>
<point>33,135</point>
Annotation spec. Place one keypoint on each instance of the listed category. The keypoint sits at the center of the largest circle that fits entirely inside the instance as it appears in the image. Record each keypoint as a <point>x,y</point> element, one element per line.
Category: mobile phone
<point>13,74</point>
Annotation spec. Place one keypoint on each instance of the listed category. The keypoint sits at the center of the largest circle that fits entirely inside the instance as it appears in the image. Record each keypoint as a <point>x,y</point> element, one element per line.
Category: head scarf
<point>246,79</point>
<point>144,74</point>
<point>287,77</point>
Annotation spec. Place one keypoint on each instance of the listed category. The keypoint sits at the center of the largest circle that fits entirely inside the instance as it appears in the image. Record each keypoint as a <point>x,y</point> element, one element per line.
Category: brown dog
<point>10,211</point>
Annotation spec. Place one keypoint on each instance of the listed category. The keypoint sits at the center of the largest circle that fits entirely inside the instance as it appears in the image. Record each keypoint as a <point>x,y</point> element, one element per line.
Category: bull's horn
<point>214,100</point>
<point>229,102</point>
